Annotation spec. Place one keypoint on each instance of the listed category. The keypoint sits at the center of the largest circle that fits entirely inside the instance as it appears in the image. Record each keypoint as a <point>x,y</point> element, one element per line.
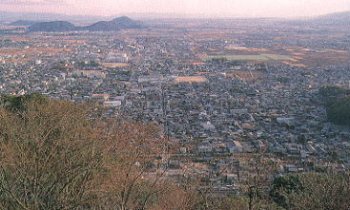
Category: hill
<point>54,26</point>
<point>114,25</point>
<point>63,26</point>
<point>335,18</point>
<point>23,23</point>
<point>9,17</point>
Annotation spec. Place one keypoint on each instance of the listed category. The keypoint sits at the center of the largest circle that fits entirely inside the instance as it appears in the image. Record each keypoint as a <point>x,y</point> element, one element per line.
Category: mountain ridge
<point>116,24</point>
<point>23,23</point>
<point>53,26</point>
<point>333,18</point>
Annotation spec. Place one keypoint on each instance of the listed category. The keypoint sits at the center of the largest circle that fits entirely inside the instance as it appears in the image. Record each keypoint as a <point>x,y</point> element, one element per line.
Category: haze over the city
<point>206,8</point>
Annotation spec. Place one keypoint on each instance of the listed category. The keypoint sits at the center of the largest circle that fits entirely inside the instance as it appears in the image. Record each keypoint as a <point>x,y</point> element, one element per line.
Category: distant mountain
<point>54,26</point>
<point>63,26</point>
<point>335,18</point>
<point>114,25</point>
<point>9,17</point>
<point>23,23</point>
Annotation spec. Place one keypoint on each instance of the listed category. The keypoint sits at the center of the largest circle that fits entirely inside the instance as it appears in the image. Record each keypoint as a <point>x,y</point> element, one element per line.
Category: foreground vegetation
<point>59,155</point>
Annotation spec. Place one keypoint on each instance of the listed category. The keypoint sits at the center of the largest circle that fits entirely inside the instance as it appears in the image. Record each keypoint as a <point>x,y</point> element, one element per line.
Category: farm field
<point>244,75</point>
<point>260,57</point>
<point>115,65</point>
<point>191,79</point>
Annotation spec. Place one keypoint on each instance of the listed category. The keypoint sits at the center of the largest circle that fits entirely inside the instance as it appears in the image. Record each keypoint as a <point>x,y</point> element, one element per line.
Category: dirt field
<point>191,79</point>
<point>115,65</point>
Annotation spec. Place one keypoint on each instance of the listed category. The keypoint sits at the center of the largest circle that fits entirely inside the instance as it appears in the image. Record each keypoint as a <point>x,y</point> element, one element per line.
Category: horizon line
<point>167,15</point>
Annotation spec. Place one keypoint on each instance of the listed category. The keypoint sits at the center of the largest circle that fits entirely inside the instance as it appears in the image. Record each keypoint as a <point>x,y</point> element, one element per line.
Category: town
<point>231,95</point>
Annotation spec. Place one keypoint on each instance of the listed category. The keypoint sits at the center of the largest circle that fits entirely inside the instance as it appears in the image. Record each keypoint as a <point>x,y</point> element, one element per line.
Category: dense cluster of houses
<point>219,118</point>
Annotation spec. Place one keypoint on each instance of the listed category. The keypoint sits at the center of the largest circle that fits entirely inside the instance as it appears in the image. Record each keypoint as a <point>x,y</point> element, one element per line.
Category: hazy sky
<point>210,8</point>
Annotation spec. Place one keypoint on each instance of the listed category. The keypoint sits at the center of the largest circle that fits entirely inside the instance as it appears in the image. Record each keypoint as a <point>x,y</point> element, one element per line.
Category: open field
<point>191,79</point>
<point>115,65</point>
<point>260,57</point>
<point>246,49</point>
<point>305,57</point>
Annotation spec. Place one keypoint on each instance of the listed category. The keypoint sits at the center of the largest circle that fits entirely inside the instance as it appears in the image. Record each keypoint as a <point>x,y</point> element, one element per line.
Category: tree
<point>258,180</point>
<point>313,191</point>
<point>175,197</point>
<point>339,111</point>
<point>60,155</point>
<point>332,92</point>
<point>285,185</point>
<point>49,154</point>
<point>133,155</point>
<point>337,103</point>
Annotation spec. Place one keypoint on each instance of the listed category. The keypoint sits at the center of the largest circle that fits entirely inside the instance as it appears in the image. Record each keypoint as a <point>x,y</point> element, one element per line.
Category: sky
<point>206,8</point>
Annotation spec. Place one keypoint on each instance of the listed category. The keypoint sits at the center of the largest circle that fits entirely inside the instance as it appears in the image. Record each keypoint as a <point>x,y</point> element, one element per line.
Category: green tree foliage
<point>337,102</point>
<point>313,191</point>
<point>17,104</point>
<point>283,186</point>
<point>339,111</point>
<point>332,91</point>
